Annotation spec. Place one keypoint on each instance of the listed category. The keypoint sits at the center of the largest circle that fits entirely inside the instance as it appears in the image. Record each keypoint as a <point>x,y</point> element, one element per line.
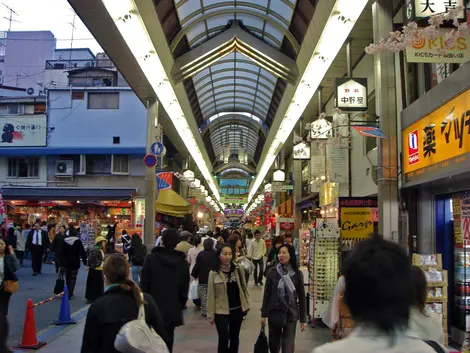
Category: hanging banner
<point>457,227</point>
<point>465,218</point>
<point>337,163</point>
<point>318,159</point>
<point>164,180</point>
<point>356,223</point>
<point>370,131</point>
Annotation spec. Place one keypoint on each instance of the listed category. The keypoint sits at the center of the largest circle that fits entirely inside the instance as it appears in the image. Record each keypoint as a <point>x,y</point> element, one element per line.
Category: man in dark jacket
<point>165,276</point>
<point>38,242</point>
<point>72,251</point>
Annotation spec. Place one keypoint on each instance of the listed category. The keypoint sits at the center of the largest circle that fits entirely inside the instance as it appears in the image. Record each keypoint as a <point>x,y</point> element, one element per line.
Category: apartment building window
<point>99,100</point>
<point>98,164</point>
<point>120,164</point>
<point>23,167</point>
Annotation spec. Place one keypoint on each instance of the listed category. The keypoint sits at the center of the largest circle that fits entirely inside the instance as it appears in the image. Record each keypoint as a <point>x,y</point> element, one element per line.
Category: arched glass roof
<point>234,82</point>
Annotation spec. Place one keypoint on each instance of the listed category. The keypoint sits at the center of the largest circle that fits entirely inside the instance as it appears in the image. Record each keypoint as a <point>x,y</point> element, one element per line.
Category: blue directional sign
<point>150,160</point>
<point>157,148</point>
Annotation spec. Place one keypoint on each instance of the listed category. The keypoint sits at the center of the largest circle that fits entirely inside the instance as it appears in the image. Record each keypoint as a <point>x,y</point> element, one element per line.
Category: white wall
<point>72,124</point>
<point>361,168</point>
<point>40,181</point>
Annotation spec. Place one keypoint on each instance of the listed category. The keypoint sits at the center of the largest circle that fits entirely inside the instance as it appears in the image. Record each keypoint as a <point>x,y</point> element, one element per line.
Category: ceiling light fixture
<point>127,19</point>
<point>342,19</point>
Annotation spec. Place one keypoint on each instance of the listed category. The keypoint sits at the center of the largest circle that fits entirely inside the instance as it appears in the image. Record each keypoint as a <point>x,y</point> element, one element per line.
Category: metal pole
<point>350,74</point>
<point>150,177</point>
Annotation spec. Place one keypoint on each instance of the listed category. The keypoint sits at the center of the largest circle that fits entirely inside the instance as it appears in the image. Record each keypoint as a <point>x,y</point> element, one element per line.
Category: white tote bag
<point>137,337</point>
<point>193,292</point>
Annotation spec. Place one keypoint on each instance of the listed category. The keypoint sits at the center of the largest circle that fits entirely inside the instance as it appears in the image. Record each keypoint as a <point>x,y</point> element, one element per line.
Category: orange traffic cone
<point>30,339</point>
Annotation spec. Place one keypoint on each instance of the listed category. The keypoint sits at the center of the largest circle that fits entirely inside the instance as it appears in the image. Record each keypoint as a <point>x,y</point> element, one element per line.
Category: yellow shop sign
<point>356,222</point>
<point>438,141</point>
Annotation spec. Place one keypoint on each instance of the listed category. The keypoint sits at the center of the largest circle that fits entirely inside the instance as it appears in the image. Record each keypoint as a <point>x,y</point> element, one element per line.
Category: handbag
<point>59,282</point>
<point>261,345</point>
<point>137,337</point>
<point>193,292</point>
<point>436,346</point>
<point>10,286</point>
<point>247,266</point>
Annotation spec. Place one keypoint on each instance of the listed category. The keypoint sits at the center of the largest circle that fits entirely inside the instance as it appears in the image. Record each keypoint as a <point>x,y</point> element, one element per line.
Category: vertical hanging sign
<point>465,218</point>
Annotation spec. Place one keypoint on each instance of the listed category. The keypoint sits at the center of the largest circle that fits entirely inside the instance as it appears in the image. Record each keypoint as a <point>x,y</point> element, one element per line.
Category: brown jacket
<point>217,298</point>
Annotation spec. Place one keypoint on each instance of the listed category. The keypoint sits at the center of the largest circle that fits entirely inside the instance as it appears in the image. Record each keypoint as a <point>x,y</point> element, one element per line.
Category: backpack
<point>95,258</point>
<point>137,337</point>
<point>139,253</point>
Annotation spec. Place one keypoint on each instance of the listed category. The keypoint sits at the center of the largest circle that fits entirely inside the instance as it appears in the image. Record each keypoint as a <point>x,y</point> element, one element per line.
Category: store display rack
<point>437,278</point>
<point>325,264</point>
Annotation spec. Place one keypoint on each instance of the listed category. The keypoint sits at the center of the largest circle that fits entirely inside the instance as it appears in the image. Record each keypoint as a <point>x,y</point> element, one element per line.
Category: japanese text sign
<point>424,50</point>
<point>351,94</point>
<point>465,218</point>
<point>438,141</point>
<point>23,131</point>
<point>426,8</point>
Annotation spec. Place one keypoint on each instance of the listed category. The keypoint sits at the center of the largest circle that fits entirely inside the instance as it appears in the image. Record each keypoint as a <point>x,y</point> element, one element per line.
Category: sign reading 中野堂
<point>23,131</point>
<point>301,151</point>
<point>281,186</point>
<point>157,148</point>
<point>424,50</point>
<point>427,8</point>
<point>351,94</point>
<point>439,141</point>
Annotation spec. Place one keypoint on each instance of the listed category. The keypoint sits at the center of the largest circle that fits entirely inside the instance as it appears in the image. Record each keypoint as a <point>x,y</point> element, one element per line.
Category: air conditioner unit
<point>64,168</point>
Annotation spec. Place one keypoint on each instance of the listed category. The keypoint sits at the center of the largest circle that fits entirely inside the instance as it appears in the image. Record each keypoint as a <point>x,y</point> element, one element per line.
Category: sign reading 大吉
<point>157,148</point>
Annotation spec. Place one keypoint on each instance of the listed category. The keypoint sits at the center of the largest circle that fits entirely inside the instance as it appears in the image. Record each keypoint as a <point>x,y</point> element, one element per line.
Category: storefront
<point>436,187</point>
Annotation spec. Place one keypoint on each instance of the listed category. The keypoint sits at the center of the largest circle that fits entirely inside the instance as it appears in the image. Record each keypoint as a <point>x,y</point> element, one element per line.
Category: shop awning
<point>171,203</point>
<point>69,194</point>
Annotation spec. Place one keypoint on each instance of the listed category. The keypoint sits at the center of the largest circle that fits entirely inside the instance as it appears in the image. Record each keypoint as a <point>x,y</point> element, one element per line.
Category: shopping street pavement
<point>39,288</point>
<point>196,336</point>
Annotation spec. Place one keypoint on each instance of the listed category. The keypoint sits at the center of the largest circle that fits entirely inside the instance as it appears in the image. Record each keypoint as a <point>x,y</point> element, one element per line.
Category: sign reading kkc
<point>438,141</point>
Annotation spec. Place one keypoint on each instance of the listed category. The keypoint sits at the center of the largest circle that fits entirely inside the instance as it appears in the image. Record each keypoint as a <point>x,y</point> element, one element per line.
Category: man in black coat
<point>165,276</point>
<point>38,242</point>
<point>72,251</point>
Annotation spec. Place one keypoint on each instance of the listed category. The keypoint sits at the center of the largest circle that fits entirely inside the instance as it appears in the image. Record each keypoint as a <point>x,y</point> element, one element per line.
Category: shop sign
<point>356,223</point>
<point>424,50</point>
<point>439,141</point>
<point>3,212</point>
<point>317,163</point>
<point>23,131</point>
<point>301,151</point>
<point>351,94</point>
<point>234,199</point>
<point>370,131</point>
<point>286,224</point>
<point>427,8</point>
<point>279,175</point>
<point>189,175</point>
<point>281,186</point>
<point>457,228</point>
<point>320,129</point>
<point>358,202</point>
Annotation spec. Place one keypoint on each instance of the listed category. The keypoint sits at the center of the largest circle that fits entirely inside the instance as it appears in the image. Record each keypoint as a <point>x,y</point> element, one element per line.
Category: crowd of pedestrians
<point>378,291</point>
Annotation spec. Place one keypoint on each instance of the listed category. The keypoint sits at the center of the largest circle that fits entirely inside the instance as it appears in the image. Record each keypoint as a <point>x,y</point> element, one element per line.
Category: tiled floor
<point>198,336</point>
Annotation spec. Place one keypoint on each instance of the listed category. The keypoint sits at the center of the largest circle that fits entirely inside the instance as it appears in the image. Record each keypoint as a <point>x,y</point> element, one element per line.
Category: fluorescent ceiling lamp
<point>129,23</point>
<point>342,19</point>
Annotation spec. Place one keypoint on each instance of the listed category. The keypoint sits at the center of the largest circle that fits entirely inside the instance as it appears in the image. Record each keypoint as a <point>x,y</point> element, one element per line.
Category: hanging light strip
<point>125,15</point>
<point>342,19</point>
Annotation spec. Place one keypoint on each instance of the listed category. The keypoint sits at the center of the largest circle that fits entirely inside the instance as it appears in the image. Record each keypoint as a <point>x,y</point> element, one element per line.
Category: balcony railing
<point>79,64</point>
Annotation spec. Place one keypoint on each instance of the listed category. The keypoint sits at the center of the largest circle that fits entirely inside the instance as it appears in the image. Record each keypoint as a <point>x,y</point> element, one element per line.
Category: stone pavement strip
<point>197,335</point>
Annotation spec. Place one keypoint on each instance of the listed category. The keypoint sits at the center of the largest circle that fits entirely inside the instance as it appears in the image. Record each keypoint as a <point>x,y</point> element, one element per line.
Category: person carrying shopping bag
<point>227,300</point>
<point>284,301</point>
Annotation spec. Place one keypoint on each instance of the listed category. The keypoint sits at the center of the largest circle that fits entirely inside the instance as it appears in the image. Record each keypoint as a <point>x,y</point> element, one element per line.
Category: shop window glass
<point>103,100</point>
<point>120,164</point>
<point>98,164</point>
<point>23,168</point>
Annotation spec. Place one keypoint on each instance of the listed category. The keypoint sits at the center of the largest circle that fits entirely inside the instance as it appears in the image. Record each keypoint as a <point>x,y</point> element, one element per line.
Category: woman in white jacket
<point>378,294</point>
